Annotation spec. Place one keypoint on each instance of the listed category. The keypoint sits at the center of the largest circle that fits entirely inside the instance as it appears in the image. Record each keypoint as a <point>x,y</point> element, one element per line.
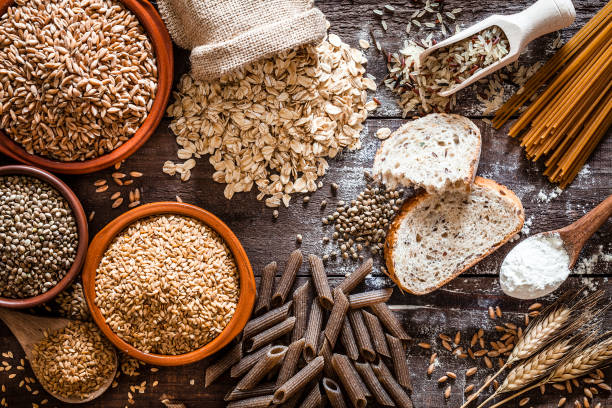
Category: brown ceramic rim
<point>100,244</point>
<point>162,46</point>
<point>83,235</point>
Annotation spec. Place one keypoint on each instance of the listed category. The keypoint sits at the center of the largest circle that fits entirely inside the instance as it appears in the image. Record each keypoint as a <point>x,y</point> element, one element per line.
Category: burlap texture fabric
<point>224,35</point>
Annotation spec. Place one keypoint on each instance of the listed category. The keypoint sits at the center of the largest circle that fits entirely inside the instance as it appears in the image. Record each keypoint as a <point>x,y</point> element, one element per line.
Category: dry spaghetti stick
<point>269,335</point>
<point>400,364</point>
<point>313,329</point>
<point>356,390</point>
<point>369,298</point>
<point>273,357</point>
<point>366,349</point>
<point>265,288</point>
<point>290,362</point>
<point>300,310</point>
<point>247,362</point>
<point>388,319</point>
<point>266,320</point>
<point>350,282</point>
<point>334,395</point>
<point>368,376</point>
<point>260,390</point>
<point>336,317</point>
<point>287,278</point>
<point>321,282</point>
<point>298,381</point>
<point>376,334</point>
<point>215,370</point>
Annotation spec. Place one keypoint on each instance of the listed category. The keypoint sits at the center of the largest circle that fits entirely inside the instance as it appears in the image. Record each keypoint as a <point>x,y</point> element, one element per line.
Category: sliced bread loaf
<point>437,152</point>
<point>437,237</point>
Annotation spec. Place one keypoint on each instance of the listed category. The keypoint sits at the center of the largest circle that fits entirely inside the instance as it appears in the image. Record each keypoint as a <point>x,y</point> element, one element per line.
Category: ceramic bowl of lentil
<point>168,283</point>
<point>84,113</point>
<point>42,222</point>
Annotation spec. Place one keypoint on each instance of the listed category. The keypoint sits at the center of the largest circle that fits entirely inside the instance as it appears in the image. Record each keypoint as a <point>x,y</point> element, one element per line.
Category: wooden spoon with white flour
<point>542,262</point>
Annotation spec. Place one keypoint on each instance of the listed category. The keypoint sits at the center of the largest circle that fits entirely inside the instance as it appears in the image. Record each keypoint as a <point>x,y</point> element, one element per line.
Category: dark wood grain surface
<point>459,306</point>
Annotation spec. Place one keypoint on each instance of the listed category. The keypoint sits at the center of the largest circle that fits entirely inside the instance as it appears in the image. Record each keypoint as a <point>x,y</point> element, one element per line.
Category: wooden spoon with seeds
<point>29,330</point>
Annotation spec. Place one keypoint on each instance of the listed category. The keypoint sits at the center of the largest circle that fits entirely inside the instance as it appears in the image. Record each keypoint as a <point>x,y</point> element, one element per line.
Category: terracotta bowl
<point>103,239</point>
<point>162,46</point>
<point>83,234</point>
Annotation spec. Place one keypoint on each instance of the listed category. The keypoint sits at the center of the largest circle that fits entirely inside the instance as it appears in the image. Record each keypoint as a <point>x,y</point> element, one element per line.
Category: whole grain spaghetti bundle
<point>571,116</point>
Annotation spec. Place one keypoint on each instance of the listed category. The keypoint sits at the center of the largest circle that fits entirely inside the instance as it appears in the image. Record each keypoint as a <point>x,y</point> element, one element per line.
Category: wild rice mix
<point>274,123</point>
<point>167,284</point>
<point>77,77</point>
<point>75,361</point>
<point>418,88</point>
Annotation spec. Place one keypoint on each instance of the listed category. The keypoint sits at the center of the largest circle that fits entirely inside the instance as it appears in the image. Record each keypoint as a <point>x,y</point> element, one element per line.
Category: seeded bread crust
<point>408,207</point>
<point>467,125</point>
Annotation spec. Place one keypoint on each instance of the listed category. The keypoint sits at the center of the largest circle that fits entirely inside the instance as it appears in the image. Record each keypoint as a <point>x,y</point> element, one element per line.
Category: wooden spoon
<point>29,330</point>
<point>575,235</point>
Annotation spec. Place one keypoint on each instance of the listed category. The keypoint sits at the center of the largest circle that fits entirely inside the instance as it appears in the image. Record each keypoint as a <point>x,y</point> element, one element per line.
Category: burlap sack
<point>224,35</point>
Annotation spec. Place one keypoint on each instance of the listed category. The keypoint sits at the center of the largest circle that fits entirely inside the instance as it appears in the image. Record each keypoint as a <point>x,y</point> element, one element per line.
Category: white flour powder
<point>535,267</point>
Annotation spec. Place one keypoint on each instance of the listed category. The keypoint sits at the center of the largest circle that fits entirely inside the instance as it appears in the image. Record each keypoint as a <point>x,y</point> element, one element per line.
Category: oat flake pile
<point>274,123</point>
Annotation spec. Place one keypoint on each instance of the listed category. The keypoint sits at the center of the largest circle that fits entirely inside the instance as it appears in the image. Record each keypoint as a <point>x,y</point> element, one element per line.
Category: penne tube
<point>266,284</point>
<point>290,362</point>
<point>255,402</point>
<point>287,278</point>
<point>336,317</point>
<point>269,335</point>
<point>267,320</point>
<point>313,399</point>
<point>396,391</point>
<point>350,282</point>
<point>258,391</point>
<point>300,311</point>
<point>321,283</point>
<point>215,370</point>
<point>271,359</point>
<point>298,381</point>
<point>334,394</point>
<point>311,336</point>
<point>362,336</point>
<point>247,362</point>
<point>389,320</point>
<point>376,333</point>
<point>400,364</point>
<point>347,338</point>
<point>366,299</point>
<point>348,376</point>
<point>325,351</point>
<point>378,391</point>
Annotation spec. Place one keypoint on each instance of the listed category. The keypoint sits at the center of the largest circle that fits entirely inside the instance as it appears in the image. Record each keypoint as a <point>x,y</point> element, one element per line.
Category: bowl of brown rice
<point>84,96</point>
<point>168,283</point>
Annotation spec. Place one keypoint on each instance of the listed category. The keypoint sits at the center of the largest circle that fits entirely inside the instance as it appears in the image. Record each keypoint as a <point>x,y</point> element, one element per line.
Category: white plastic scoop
<point>541,18</point>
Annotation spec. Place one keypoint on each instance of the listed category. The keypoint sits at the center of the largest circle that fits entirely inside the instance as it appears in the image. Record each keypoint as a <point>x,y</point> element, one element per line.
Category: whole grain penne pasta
<point>269,335</point>
<point>378,391</point>
<point>362,336</point>
<point>298,381</point>
<point>351,281</point>
<point>300,310</point>
<point>321,283</point>
<point>247,362</point>
<point>350,379</point>
<point>389,320</point>
<point>396,391</point>
<point>365,299</point>
<point>325,351</point>
<point>336,317</point>
<point>258,391</point>
<point>400,364</point>
<point>215,370</point>
<point>255,402</point>
<point>311,336</point>
<point>334,394</point>
<point>313,399</point>
<point>266,283</point>
<point>347,337</point>
<point>376,334</point>
<point>281,291</point>
<point>271,359</point>
<point>266,320</point>
<point>290,362</point>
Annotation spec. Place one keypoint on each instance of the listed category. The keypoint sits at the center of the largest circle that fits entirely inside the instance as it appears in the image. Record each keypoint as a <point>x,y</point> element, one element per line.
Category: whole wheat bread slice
<point>437,237</point>
<point>437,152</point>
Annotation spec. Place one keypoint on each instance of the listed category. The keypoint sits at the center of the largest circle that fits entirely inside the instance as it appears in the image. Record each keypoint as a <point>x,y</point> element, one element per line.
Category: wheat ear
<point>534,369</point>
<point>580,363</point>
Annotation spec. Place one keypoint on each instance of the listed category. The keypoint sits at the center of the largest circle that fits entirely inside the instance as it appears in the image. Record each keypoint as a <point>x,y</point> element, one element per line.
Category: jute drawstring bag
<point>224,35</point>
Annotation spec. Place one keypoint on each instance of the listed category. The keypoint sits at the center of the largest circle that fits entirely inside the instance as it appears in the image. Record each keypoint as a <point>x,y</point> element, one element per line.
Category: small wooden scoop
<point>29,330</point>
<point>543,17</point>
<point>575,235</point>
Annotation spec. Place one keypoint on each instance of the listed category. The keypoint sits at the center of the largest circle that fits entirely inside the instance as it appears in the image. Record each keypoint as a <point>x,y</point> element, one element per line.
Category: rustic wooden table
<point>459,306</point>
